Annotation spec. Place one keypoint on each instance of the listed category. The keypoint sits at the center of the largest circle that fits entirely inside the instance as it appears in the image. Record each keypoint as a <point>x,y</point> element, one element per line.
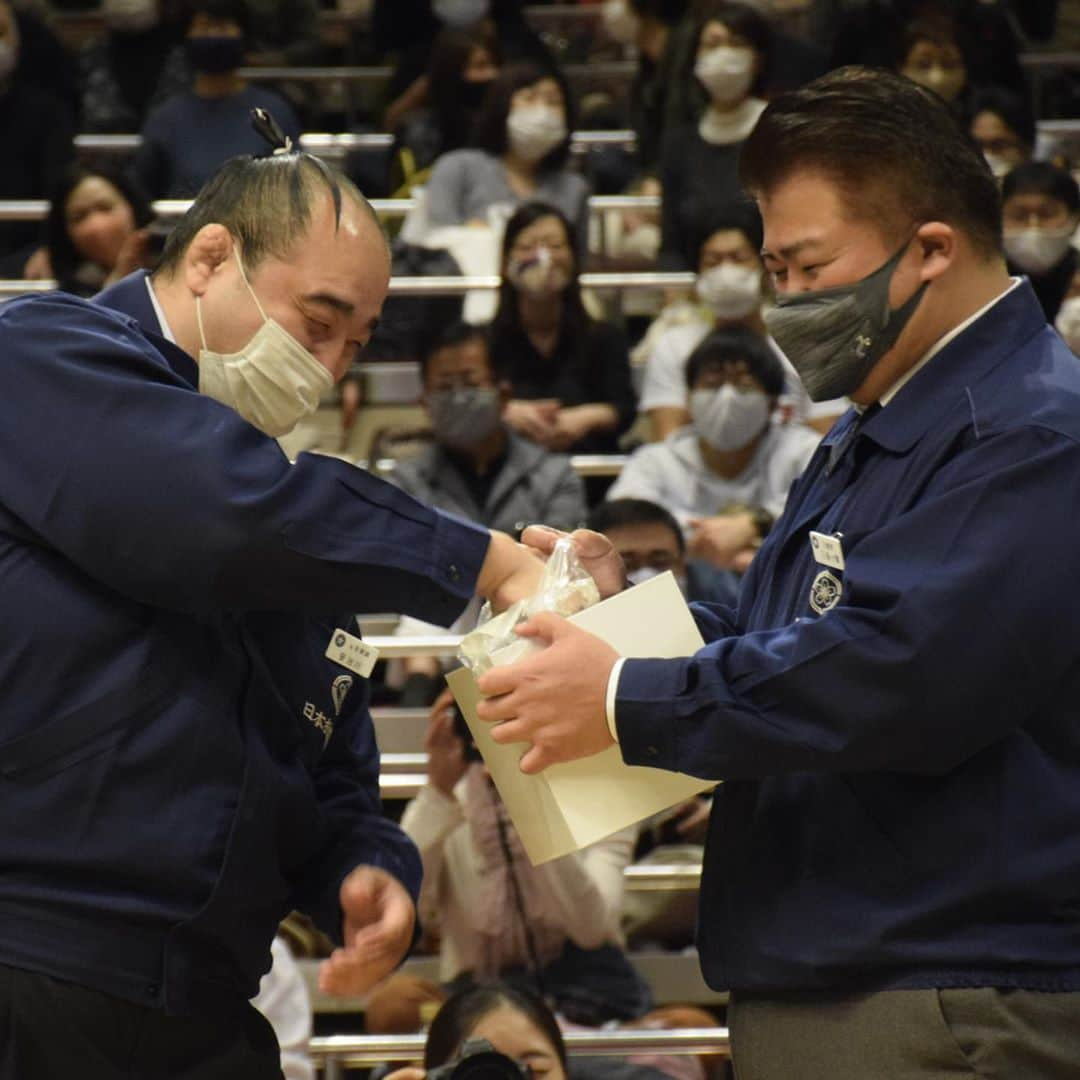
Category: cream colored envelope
<point>569,806</point>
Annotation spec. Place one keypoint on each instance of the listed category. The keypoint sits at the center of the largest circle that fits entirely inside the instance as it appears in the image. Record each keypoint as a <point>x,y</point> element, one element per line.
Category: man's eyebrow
<point>330,300</point>
<point>792,249</point>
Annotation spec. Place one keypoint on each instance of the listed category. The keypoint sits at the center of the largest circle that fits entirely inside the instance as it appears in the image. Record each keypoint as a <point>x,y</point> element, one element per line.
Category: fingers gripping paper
<point>569,806</point>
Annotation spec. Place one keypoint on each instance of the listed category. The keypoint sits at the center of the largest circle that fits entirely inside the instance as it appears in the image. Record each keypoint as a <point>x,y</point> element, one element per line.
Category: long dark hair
<point>575,319</point>
<point>490,135</point>
<point>62,253</point>
<point>465,1009</point>
<point>449,58</point>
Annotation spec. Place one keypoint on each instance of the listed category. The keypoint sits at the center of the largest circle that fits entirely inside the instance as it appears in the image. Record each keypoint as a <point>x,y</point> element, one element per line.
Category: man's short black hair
<point>1042,178</point>
<point>265,202</point>
<point>1010,107</point>
<point>490,131</point>
<point>729,346</point>
<point>619,513</point>
<point>236,11</point>
<point>897,152</point>
<point>742,216</point>
<point>451,335</point>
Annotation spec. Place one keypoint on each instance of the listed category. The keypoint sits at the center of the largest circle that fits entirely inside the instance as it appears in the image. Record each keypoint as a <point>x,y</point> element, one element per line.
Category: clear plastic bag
<point>566,588</point>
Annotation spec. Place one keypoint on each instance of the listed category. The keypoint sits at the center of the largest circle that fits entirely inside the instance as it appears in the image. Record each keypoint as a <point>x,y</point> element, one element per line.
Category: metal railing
<point>334,1053</point>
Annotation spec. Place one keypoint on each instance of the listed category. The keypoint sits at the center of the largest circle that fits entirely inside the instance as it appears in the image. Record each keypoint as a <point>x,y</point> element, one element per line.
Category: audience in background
<point>1040,214</point>
<point>725,476</point>
<point>570,372</point>
<point>187,137</point>
<point>463,65</point>
<point>520,149</point>
<point>283,1000</point>
<point>1068,316</point>
<point>128,70</point>
<point>1003,126</point>
<point>36,131</point>
<point>730,293</point>
<point>651,542</point>
<point>698,168</point>
<point>930,54</point>
<point>97,229</point>
<point>554,926</point>
<point>284,33</point>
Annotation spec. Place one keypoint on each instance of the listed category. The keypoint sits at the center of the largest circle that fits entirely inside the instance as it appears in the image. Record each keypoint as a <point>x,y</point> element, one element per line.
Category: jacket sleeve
<point>952,626</point>
<point>170,499</point>
<point>354,830</point>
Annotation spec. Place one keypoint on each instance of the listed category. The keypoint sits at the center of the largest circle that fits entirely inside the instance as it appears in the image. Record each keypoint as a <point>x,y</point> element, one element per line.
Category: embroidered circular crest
<point>339,640</point>
<point>826,591</point>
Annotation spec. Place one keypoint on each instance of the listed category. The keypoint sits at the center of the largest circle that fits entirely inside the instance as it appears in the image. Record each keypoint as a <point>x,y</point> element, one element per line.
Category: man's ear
<point>208,251</point>
<point>938,244</point>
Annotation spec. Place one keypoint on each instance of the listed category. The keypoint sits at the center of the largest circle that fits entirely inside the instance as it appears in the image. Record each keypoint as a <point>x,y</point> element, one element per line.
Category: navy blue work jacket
<point>180,764</point>
<point>900,739</point>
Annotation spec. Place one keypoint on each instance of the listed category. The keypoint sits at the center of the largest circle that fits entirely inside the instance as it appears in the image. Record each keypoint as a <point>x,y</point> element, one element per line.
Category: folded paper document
<point>569,806</point>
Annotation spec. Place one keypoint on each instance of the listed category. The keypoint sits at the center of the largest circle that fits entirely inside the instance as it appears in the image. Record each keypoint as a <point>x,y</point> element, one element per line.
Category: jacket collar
<point>129,297</point>
<point>932,392</point>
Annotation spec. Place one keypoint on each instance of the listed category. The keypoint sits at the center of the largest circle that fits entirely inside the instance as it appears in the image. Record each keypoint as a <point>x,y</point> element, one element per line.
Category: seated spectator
<point>521,144</point>
<point>699,162</point>
<point>285,34</point>
<point>130,69</point>
<point>570,373</point>
<point>1040,214</point>
<point>930,54</point>
<point>730,294</point>
<point>726,476</point>
<point>96,231</point>
<point>497,915</point>
<point>1067,322</point>
<point>190,135</point>
<point>651,542</point>
<point>283,1000</point>
<point>1003,126</point>
<point>463,65</point>
<point>36,132</point>
<point>478,467</point>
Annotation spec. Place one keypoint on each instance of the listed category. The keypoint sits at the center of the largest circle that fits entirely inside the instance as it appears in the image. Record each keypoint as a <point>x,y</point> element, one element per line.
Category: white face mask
<point>273,382</point>
<point>647,573</point>
<point>999,166</point>
<point>728,419</point>
<point>1037,250</point>
<point>460,13</point>
<point>731,290</point>
<point>130,16</point>
<point>538,274</point>
<point>1068,323</point>
<point>726,72</point>
<point>535,130</point>
<point>620,23</point>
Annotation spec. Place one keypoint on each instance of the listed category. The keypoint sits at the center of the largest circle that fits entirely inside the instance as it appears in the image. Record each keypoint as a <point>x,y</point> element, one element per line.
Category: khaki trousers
<point>907,1035</point>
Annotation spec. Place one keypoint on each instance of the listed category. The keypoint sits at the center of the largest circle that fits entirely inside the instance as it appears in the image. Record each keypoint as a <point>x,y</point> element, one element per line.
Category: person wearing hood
<point>1041,212</point>
<point>190,135</point>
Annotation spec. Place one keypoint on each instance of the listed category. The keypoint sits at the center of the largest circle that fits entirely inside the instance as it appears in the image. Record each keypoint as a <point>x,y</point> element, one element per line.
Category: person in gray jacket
<point>478,467</point>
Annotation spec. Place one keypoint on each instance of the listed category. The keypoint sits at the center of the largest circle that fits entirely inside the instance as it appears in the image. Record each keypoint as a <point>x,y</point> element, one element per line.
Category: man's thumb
<point>545,625</point>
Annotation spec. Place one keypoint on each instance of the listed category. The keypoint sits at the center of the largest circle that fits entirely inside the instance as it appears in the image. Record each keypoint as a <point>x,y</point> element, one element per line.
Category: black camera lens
<point>479,1060</point>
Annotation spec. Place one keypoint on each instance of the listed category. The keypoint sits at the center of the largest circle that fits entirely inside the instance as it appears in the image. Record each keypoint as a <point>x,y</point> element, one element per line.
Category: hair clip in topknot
<point>271,131</point>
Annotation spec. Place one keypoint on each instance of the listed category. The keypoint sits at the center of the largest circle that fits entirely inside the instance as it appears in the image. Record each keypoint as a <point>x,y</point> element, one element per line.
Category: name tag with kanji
<point>352,653</point>
<point>827,550</point>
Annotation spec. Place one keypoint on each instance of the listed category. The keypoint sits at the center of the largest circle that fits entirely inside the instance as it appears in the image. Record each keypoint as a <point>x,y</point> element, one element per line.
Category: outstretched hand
<point>596,552</point>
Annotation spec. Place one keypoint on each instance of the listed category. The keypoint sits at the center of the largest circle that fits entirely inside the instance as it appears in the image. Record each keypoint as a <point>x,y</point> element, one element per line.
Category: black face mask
<point>472,93</point>
<point>214,55</point>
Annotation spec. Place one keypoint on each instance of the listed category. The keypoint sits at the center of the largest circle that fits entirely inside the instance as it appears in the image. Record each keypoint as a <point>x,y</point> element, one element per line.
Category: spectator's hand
<point>511,572</point>
<point>554,699</point>
<point>445,748</point>
<point>692,819</point>
<point>379,917</point>
<point>571,425</point>
<point>133,255</point>
<point>723,540</point>
<point>596,552</point>
<point>39,266</point>
<point>533,419</point>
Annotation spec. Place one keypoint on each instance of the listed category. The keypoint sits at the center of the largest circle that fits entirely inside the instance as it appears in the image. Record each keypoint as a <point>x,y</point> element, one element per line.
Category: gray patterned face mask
<point>833,337</point>
<point>464,417</point>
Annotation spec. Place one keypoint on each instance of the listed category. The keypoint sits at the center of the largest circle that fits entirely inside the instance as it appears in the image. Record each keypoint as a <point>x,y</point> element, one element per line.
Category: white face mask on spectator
<point>728,419</point>
<point>999,166</point>
<point>726,72</point>
<point>1067,323</point>
<point>538,274</point>
<point>273,382</point>
<point>1036,250</point>
<point>460,13</point>
<point>731,290</point>
<point>535,130</point>
<point>130,16</point>
<point>620,23</point>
